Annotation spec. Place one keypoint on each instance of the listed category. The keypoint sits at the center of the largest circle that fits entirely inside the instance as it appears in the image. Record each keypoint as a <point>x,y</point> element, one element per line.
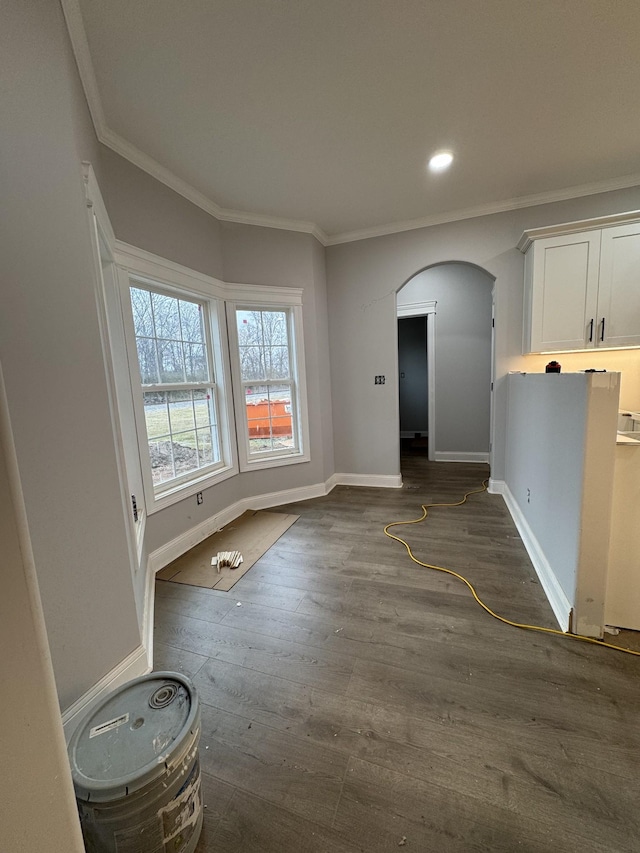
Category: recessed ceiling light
<point>440,161</point>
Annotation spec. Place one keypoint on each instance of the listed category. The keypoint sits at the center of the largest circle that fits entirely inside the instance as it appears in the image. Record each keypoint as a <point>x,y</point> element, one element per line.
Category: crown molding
<point>266,221</point>
<point>130,152</point>
<point>549,197</point>
<point>134,155</point>
<point>121,146</point>
<point>143,161</point>
<point>576,227</point>
<point>80,47</point>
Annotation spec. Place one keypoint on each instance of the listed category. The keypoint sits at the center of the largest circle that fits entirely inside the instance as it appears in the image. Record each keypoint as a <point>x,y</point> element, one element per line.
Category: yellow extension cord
<point>540,628</point>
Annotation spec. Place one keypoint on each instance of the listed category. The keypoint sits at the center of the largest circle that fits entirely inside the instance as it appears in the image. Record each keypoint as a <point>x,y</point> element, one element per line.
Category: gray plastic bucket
<point>135,768</point>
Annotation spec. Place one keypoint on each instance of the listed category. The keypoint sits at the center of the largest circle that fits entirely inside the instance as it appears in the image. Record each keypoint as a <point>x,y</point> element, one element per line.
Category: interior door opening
<point>445,348</point>
<point>414,384</point>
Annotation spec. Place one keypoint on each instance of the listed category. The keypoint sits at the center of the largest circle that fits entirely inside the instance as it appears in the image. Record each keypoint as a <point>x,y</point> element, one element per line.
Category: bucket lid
<point>126,741</point>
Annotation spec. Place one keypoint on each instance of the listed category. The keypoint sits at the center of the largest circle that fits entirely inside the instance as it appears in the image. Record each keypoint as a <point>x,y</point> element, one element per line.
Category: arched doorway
<point>445,362</point>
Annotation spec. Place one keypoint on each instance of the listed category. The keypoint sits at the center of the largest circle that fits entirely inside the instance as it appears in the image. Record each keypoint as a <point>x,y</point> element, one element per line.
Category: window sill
<point>187,490</point>
<point>273,461</point>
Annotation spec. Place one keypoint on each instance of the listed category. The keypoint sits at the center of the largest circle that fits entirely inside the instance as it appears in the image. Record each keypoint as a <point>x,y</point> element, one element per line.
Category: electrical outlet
<point>198,498</point>
<point>379,380</point>
<point>528,496</point>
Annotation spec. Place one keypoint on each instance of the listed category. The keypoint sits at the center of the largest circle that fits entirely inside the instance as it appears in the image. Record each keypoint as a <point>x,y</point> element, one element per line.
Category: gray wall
<point>413,379</point>
<point>363,278</point>
<point>149,215</point>
<point>463,352</point>
<point>545,464</point>
<point>37,779</point>
<point>50,349</point>
<point>559,477</point>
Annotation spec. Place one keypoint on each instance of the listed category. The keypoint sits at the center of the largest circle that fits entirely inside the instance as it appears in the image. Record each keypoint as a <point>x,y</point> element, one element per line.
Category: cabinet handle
<point>591,330</point>
<point>602,332</point>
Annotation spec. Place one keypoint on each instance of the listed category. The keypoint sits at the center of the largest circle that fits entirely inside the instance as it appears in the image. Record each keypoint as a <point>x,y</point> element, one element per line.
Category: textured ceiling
<point>326,111</point>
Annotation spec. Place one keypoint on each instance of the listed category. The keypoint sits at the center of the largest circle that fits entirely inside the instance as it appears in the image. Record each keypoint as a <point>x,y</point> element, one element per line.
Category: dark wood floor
<point>357,702</point>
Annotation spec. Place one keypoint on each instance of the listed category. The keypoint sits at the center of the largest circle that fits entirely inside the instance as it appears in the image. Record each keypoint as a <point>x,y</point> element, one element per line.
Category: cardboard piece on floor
<point>253,533</point>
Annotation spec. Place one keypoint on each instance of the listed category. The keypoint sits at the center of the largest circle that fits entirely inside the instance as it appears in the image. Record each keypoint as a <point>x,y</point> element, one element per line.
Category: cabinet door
<point>619,294</point>
<point>564,292</point>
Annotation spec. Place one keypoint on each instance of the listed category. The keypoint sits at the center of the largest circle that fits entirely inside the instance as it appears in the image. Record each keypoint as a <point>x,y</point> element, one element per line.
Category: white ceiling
<point>304,113</point>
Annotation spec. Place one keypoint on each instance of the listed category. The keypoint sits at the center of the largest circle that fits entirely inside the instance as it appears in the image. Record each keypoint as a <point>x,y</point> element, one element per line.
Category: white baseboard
<point>496,487</point>
<point>133,666</point>
<point>459,456</point>
<point>287,496</point>
<point>175,548</point>
<point>559,602</point>
<point>378,481</point>
<point>331,483</point>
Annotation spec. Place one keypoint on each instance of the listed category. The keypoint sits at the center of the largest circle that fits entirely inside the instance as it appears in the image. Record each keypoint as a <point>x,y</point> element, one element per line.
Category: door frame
<point>428,310</point>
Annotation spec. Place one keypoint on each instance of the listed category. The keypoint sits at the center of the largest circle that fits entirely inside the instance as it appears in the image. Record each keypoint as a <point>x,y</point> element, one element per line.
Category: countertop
<point>625,439</point>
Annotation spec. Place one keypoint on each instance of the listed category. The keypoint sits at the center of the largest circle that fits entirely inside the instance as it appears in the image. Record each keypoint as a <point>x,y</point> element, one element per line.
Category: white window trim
<point>265,298</point>
<point>107,299</point>
<point>136,264</point>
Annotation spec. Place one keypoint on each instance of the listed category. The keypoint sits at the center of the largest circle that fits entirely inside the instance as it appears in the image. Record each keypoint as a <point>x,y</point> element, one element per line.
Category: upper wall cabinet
<point>582,285</point>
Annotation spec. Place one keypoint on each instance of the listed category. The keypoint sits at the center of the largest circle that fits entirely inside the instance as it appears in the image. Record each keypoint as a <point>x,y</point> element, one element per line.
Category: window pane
<point>147,361</point>
<point>256,393</point>
<point>205,447</point>
<point>170,361</point>
<point>281,393</point>
<point>282,431</point>
<point>249,327</point>
<point>196,363</point>
<point>274,328</point>
<point>142,317</point>
<point>257,403</point>
<point>185,453</point>
<point>156,414</point>
<point>277,362</point>
<point>260,445</point>
<point>181,412</point>
<point>269,418</point>
<point>161,455</point>
<point>203,408</point>
<point>191,322</point>
<point>166,316</point>
<point>251,363</point>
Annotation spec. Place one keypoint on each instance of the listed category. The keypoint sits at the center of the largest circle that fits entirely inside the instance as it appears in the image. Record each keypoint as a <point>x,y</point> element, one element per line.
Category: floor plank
<point>355,701</point>
<point>252,825</point>
<point>304,778</point>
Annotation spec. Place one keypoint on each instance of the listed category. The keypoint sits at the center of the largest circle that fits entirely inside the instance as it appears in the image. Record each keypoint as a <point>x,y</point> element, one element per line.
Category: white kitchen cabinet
<point>582,285</point>
<point>619,290</point>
